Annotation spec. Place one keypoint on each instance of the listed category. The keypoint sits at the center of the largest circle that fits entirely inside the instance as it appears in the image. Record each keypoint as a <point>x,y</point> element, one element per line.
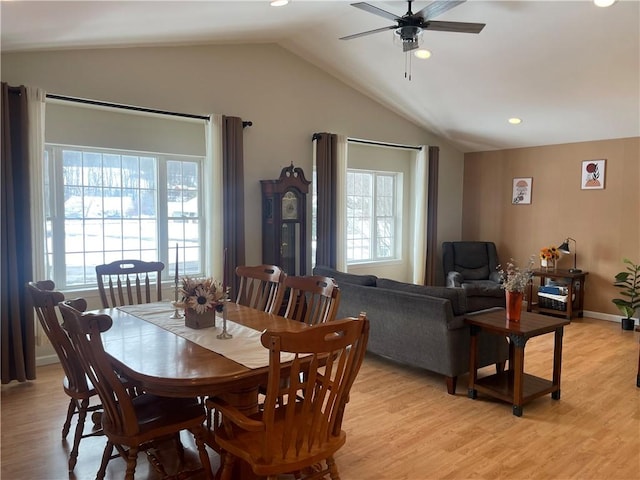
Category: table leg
<point>473,362</point>
<point>516,344</point>
<point>557,362</point>
<point>570,300</point>
<point>581,297</point>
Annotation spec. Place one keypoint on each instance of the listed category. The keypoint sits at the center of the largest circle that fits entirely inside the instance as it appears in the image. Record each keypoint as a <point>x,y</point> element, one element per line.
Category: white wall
<point>285,97</point>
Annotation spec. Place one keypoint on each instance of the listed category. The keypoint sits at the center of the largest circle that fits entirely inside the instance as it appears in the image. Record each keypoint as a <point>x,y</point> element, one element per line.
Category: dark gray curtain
<point>326,177</point>
<point>233,198</point>
<point>432,217</point>
<point>17,327</point>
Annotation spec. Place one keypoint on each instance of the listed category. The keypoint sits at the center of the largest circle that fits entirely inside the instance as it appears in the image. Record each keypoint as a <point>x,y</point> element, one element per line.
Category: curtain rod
<point>373,142</point>
<point>131,107</point>
<point>383,144</point>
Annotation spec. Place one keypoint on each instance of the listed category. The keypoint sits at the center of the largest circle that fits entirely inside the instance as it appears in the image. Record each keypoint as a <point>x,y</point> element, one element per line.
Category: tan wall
<point>605,223</point>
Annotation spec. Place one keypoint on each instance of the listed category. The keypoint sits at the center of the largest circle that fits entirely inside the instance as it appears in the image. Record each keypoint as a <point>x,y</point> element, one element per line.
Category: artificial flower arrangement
<point>514,278</point>
<point>201,295</point>
<point>549,253</point>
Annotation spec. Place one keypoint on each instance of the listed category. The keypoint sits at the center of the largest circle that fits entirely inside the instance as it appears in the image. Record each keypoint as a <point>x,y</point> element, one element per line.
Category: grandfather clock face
<point>290,210</point>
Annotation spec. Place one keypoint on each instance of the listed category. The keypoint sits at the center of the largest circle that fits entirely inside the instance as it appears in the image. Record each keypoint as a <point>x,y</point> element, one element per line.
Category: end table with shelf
<point>515,385</point>
<point>574,282</point>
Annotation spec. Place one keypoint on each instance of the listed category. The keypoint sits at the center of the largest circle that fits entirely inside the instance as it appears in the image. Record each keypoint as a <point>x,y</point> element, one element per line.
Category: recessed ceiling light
<point>604,3</point>
<point>279,3</point>
<point>422,53</point>
<point>515,121</point>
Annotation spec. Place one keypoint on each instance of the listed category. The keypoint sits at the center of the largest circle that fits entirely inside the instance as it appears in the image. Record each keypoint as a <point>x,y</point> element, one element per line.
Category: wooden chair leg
<point>500,366</point>
<point>106,456</point>
<point>333,469</point>
<point>67,423</point>
<point>132,460</point>
<point>451,385</point>
<point>227,462</point>
<point>202,452</point>
<point>82,415</point>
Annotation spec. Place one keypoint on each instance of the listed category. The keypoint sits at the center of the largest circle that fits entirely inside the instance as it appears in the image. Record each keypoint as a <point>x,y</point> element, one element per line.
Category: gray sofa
<point>416,325</point>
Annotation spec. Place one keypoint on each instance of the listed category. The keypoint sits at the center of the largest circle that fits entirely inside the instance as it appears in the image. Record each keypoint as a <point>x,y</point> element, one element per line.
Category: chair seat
<point>157,413</point>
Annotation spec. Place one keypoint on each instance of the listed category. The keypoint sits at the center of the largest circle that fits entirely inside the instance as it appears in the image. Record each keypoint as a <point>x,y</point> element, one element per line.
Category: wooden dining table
<point>164,363</point>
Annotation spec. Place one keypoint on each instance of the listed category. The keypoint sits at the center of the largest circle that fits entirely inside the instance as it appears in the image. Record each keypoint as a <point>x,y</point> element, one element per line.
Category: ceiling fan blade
<point>437,8</point>
<point>375,10</point>
<point>462,27</point>
<point>369,32</point>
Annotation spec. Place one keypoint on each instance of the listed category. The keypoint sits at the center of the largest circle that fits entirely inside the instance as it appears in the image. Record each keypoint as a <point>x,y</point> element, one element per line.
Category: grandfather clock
<point>284,221</point>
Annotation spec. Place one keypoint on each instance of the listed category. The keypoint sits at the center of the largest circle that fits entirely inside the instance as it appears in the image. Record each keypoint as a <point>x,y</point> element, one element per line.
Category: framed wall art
<point>521,191</point>
<point>593,174</point>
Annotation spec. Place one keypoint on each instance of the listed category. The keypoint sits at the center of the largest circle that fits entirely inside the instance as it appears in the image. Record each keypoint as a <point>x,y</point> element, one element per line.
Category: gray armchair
<point>473,267</point>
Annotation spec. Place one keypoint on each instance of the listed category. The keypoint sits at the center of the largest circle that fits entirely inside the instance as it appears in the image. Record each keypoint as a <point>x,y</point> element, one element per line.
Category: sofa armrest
<point>454,279</point>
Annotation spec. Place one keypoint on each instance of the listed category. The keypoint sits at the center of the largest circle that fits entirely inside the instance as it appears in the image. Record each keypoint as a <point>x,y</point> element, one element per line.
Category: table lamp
<point>564,248</point>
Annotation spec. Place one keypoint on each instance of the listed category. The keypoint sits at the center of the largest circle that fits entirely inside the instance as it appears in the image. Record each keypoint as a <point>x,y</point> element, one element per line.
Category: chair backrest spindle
<point>261,287</point>
<point>312,299</point>
<point>129,282</point>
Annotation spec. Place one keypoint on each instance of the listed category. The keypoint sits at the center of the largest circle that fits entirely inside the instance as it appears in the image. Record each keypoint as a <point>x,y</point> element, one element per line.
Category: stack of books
<point>553,296</point>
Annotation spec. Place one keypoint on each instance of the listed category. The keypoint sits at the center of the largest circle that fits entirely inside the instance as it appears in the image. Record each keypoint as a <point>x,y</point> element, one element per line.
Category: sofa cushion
<point>456,296</point>
<point>342,277</point>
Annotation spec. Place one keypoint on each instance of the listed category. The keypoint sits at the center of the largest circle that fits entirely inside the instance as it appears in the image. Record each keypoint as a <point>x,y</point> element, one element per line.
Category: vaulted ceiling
<point>569,70</point>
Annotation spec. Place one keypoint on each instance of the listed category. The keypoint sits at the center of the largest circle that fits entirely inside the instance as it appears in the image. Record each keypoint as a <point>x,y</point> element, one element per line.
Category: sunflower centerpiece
<point>201,298</point>
<point>548,257</point>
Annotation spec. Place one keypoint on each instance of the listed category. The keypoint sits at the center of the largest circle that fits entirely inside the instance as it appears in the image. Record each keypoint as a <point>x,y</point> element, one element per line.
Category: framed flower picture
<point>593,174</point>
<point>521,194</point>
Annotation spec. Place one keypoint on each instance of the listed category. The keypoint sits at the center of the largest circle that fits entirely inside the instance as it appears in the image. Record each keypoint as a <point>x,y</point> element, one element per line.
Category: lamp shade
<point>564,248</point>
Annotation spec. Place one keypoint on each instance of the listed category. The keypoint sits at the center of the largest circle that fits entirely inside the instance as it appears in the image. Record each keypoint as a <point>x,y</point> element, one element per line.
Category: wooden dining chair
<point>45,298</point>
<point>129,282</point>
<point>312,299</point>
<point>301,434</point>
<point>261,287</point>
<point>134,422</point>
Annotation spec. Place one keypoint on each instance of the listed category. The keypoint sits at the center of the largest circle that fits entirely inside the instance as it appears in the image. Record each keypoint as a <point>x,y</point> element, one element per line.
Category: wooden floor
<point>401,423</point>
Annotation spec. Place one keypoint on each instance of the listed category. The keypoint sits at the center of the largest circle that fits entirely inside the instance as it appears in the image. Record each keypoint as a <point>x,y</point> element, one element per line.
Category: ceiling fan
<point>409,26</point>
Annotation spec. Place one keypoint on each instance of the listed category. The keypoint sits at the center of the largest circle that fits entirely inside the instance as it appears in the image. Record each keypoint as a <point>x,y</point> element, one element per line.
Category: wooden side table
<point>575,286</point>
<point>514,385</point>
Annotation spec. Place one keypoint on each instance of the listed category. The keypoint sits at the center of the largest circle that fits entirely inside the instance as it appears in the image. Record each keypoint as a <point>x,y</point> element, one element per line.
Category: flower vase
<point>514,305</point>
<point>548,264</point>
<point>193,319</point>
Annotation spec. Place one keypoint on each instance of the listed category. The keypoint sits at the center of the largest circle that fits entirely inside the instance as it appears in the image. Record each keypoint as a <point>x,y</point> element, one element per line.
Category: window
<point>373,222</point>
<point>103,205</point>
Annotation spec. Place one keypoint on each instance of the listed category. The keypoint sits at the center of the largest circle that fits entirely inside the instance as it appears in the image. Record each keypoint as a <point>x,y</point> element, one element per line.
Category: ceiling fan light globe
<point>408,32</point>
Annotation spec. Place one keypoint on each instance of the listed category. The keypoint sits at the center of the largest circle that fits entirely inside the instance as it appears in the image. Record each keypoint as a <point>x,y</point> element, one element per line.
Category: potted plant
<point>629,283</point>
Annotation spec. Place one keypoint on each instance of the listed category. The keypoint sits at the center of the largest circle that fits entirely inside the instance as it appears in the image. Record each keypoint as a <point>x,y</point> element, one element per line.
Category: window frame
<point>397,199</point>
<point>54,212</point>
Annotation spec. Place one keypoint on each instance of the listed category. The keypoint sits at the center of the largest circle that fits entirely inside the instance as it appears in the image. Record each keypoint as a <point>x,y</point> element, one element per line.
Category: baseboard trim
<point>46,360</point>
<point>607,316</point>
